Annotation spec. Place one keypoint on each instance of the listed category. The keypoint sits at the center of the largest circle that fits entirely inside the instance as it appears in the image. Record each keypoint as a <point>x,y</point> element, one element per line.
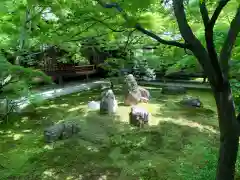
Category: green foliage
<point>113,66</point>
<point>205,169</point>
<point>235,84</point>
<point>76,20</point>
<point>20,84</point>
<point>141,70</point>
<point>22,78</point>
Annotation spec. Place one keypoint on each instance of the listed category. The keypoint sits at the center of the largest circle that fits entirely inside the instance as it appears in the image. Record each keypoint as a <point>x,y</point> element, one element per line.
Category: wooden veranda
<point>58,70</point>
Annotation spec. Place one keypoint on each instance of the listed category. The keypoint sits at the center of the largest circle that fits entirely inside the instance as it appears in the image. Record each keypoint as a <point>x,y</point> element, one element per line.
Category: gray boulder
<point>108,103</point>
<point>173,90</point>
<point>63,130</point>
<point>191,102</point>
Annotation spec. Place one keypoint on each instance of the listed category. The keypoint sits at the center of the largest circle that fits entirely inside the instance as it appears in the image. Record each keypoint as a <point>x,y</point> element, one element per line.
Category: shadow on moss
<point>106,146</point>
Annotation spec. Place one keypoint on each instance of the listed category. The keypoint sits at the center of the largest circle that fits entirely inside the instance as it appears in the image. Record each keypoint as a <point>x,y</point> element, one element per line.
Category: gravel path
<point>51,92</point>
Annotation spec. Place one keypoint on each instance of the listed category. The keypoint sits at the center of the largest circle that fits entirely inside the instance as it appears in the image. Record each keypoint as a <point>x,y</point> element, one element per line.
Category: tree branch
<point>209,25</point>
<point>140,28</point>
<point>196,47</point>
<point>226,50</point>
<point>105,24</point>
<point>137,39</point>
<point>88,27</point>
<point>128,39</point>
<point>35,15</point>
<point>210,40</point>
<point>218,10</point>
<point>204,13</point>
<point>82,38</point>
<point>160,40</point>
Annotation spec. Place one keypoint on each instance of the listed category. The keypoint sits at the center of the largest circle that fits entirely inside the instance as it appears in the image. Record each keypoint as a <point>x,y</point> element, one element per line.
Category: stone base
<point>138,116</point>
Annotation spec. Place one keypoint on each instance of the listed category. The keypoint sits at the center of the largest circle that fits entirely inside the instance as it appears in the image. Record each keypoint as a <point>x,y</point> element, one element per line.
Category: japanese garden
<point>119,90</point>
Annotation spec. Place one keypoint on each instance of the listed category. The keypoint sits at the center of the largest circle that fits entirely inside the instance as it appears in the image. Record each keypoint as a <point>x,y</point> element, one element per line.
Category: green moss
<point>179,143</point>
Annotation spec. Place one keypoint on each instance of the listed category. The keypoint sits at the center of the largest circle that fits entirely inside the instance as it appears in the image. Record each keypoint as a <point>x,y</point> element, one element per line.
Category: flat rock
<point>191,102</point>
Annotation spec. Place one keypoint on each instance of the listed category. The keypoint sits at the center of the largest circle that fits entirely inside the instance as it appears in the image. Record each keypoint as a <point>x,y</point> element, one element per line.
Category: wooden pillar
<point>60,80</point>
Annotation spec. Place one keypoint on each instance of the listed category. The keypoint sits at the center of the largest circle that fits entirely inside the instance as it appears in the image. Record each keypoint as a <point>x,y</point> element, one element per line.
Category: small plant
<point>142,71</point>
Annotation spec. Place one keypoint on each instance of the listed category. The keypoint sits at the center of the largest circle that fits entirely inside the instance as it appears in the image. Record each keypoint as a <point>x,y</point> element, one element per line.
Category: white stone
<point>94,105</point>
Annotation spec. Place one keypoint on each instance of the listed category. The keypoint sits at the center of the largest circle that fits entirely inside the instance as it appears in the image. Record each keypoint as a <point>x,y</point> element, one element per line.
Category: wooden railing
<point>85,68</point>
<point>68,70</point>
<point>71,69</point>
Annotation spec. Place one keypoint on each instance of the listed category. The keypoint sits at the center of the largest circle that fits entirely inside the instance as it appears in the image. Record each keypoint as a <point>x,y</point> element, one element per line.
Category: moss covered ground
<point>179,144</point>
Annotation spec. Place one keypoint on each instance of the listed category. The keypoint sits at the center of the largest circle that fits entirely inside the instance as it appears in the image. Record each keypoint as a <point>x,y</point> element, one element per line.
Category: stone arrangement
<point>63,130</point>
<point>108,103</point>
<point>191,102</point>
<point>134,93</point>
<point>138,116</point>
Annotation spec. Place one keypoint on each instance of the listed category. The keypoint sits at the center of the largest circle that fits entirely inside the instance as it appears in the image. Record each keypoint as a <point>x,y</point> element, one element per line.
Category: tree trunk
<point>229,138</point>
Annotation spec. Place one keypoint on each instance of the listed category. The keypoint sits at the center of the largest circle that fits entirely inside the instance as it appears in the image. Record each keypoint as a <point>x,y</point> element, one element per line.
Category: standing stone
<point>131,83</point>
<point>108,104</point>
<point>138,116</point>
<point>134,93</point>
